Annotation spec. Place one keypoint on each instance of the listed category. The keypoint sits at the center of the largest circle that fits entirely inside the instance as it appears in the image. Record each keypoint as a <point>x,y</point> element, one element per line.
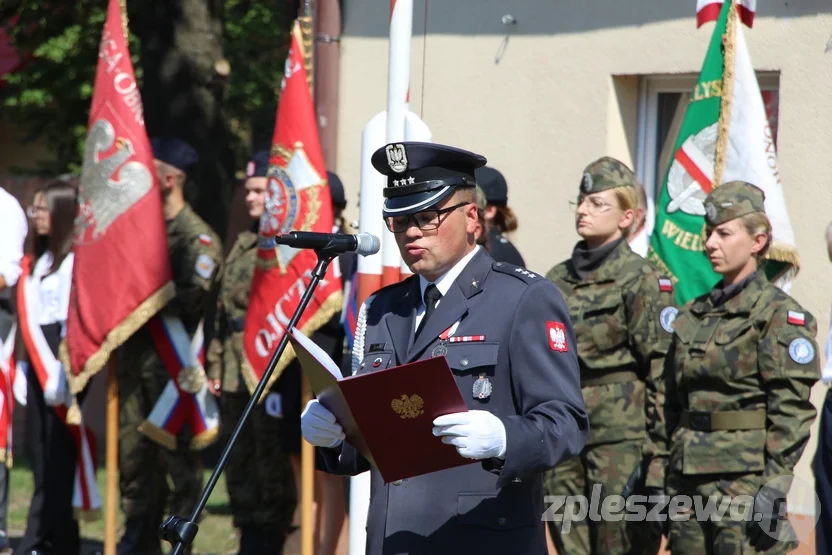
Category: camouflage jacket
<point>618,313</point>
<point>756,352</point>
<point>196,262</point>
<point>225,355</point>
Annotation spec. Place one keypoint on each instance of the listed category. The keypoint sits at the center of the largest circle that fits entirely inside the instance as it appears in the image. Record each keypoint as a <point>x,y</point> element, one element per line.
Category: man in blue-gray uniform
<point>506,334</point>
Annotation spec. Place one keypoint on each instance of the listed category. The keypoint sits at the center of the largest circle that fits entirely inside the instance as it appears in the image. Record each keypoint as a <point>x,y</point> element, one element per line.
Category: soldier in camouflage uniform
<point>621,307</point>
<point>259,474</point>
<point>740,369</point>
<point>195,255</point>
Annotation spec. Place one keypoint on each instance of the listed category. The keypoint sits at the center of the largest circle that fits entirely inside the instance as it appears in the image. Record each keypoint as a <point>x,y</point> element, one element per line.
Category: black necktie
<point>432,296</point>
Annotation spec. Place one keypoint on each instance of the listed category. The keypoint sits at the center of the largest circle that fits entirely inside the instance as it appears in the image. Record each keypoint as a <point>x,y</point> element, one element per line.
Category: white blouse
<point>54,289</point>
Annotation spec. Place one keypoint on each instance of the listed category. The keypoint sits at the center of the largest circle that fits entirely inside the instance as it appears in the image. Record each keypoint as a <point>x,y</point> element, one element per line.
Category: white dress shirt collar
<point>444,282</point>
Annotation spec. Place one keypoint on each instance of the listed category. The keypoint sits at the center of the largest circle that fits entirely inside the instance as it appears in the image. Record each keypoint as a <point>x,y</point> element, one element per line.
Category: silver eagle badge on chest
<point>482,387</point>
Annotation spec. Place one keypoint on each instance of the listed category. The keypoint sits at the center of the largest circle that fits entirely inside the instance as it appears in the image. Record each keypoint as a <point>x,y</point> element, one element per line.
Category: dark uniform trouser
<point>184,466</point>
<point>51,525</point>
<point>141,461</point>
<point>715,536</point>
<point>608,465</point>
<point>823,478</point>
<point>259,474</point>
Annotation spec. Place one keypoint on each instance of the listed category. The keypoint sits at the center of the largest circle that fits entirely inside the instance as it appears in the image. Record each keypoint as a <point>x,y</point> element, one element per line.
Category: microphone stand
<point>181,532</point>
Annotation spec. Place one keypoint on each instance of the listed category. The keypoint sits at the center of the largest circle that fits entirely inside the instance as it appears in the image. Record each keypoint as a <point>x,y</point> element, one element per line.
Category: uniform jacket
<point>622,315</point>
<point>491,506</point>
<point>503,250</point>
<point>756,352</point>
<point>196,261</point>
<point>225,354</point>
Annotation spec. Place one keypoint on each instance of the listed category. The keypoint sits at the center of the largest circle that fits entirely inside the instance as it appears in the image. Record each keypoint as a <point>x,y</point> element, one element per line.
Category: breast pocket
<point>474,366</point>
<point>735,354</point>
<point>604,316</point>
<point>376,361</point>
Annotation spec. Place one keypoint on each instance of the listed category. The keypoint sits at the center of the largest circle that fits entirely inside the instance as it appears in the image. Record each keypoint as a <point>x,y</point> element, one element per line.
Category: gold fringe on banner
<point>729,58</point>
<point>87,516</point>
<point>329,308</point>
<point>123,7</point>
<point>115,338</point>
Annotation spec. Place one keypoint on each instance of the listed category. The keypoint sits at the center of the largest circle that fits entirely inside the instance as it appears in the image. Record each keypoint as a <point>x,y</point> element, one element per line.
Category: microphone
<point>364,244</point>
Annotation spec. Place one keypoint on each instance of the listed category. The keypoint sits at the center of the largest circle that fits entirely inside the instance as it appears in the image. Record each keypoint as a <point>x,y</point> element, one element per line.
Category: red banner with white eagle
<point>297,199</point>
<point>121,276</point>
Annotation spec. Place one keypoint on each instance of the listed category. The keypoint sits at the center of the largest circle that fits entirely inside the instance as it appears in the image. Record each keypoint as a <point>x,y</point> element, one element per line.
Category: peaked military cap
<point>606,173</point>
<point>493,185</point>
<point>420,175</point>
<point>336,190</point>
<point>732,200</point>
<point>258,166</point>
<point>175,152</point>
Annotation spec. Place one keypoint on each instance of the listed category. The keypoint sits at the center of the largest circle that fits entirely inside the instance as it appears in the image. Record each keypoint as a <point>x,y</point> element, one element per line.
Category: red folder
<point>387,415</point>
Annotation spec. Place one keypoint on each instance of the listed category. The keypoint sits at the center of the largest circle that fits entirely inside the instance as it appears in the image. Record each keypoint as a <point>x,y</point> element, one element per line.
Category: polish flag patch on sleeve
<point>797,318</point>
<point>665,285</point>
<point>557,336</point>
<point>205,239</point>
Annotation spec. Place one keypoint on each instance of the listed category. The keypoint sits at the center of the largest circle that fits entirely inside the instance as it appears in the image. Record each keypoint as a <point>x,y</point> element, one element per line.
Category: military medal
<point>441,350</point>
<point>482,387</point>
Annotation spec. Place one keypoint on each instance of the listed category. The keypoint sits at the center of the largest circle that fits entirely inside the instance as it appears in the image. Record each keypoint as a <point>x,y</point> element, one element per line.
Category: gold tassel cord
<point>729,58</point>
<point>123,6</point>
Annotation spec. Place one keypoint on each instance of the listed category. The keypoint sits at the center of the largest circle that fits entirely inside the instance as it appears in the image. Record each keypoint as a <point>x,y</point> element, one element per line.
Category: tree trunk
<point>183,95</point>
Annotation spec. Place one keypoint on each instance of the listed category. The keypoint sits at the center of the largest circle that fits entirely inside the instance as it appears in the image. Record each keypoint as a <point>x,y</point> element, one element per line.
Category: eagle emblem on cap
<point>586,183</point>
<point>710,211</point>
<point>396,157</point>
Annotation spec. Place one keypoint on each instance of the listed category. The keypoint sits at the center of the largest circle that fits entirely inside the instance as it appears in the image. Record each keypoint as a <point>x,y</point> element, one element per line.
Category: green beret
<point>606,173</point>
<point>732,200</point>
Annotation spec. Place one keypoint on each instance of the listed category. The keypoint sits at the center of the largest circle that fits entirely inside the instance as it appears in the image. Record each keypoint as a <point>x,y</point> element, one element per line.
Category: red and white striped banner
<point>49,371</point>
<point>185,399</point>
<point>708,10</point>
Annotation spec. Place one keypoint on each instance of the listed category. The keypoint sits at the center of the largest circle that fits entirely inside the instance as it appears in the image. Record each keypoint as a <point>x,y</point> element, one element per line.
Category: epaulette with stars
<point>516,271</point>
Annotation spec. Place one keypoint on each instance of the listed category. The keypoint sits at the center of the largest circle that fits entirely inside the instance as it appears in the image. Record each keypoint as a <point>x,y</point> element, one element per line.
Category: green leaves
<point>50,95</point>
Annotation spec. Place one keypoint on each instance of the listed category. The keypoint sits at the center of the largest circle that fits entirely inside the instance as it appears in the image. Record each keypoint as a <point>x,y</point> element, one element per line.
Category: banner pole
<point>112,461</point>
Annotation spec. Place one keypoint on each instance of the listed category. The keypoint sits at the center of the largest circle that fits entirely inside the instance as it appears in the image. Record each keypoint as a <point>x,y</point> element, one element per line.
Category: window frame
<point>650,87</point>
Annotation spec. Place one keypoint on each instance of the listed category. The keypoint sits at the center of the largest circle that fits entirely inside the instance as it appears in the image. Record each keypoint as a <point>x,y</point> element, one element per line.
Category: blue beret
<point>258,166</point>
<point>494,185</point>
<point>336,190</point>
<point>420,175</point>
<point>175,152</point>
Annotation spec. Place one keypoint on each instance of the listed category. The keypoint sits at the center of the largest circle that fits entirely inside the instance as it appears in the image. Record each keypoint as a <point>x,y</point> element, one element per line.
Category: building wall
<point>562,89</point>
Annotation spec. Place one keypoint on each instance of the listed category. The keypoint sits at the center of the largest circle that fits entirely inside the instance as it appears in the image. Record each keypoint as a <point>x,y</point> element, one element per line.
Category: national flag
<point>297,198</point>
<point>708,10</point>
<point>796,318</point>
<point>121,276</point>
<point>725,136</point>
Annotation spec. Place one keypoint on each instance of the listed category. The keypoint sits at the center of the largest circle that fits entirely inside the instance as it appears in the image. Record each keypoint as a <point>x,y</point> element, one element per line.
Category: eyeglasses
<point>424,220</point>
<point>33,210</point>
<point>594,207</point>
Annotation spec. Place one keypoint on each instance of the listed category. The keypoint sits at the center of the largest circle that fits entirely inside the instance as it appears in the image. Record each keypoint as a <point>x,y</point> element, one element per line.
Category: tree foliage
<point>50,95</point>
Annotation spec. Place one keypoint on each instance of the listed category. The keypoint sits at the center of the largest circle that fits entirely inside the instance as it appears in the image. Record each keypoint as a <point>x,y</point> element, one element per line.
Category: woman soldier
<point>621,308</point>
<point>259,475</point>
<point>740,369</point>
<point>499,217</point>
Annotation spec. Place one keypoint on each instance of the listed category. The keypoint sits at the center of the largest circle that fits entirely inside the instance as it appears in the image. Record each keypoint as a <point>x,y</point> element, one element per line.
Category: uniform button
<point>502,521</point>
<point>397,483</point>
<point>464,362</point>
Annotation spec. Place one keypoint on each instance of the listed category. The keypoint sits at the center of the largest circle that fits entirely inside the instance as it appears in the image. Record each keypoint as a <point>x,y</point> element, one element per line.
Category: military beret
<point>175,152</point>
<point>493,185</point>
<point>258,166</point>
<point>336,190</point>
<point>732,200</point>
<point>420,175</point>
<point>606,173</point>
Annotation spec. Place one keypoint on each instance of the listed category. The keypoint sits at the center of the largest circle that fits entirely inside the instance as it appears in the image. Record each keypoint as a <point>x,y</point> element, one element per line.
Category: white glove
<point>476,434</point>
<point>20,385</point>
<point>56,390</point>
<point>319,427</point>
